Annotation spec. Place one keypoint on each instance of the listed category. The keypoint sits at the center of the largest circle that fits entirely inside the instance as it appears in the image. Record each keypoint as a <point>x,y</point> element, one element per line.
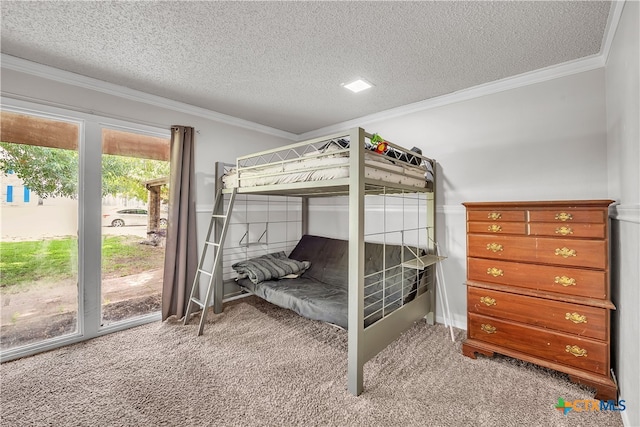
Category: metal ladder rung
<point>218,216</point>
<point>205,272</point>
<point>197,301</point>
<point>212,243</point>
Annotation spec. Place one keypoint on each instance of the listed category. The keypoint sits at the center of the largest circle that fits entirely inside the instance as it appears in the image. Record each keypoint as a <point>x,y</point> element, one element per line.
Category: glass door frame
<point>89,221</point>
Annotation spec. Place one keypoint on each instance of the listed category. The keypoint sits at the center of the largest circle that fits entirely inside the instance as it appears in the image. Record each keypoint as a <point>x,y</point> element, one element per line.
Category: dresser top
<point>601,203</point>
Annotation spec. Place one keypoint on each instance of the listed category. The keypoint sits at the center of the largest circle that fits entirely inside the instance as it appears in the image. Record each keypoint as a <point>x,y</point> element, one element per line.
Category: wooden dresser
<point>538,286</point>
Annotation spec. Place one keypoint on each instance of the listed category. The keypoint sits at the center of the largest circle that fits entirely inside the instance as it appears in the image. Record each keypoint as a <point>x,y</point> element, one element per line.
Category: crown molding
<point>44,71</point>
<point>615,12</point>
<point>538,76</point>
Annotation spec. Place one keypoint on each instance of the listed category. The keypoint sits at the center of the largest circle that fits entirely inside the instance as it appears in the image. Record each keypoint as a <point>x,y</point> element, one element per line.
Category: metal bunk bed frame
<point>363,343</point>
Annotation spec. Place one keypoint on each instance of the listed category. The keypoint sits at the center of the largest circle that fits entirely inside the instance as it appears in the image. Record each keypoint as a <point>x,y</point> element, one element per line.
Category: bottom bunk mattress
<point>321,291</point>
<point>307,297</point>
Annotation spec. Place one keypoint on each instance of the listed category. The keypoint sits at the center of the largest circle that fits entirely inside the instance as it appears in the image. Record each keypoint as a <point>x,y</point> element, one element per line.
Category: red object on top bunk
<point>381,147</point>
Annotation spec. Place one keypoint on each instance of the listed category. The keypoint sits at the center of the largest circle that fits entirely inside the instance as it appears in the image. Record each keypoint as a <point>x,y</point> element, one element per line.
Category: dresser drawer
<point>567,349</point>
<point>584,230</point>
<point>497,227</point>
<point>560,316</point>
<point>497,215</point>
<point>562,280</point>
<point>578,253</point>
<point>566,216</point>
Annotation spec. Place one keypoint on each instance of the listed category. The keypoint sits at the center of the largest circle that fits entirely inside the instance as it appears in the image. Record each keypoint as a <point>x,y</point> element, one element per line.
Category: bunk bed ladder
<point>216,245</point>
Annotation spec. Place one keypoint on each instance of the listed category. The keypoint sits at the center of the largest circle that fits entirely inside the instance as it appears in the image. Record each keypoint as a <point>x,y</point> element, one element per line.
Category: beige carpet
<point>260,365</point>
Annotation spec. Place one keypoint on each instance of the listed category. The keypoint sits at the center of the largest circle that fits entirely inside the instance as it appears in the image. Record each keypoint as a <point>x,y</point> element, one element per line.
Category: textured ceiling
<point>281,64</point>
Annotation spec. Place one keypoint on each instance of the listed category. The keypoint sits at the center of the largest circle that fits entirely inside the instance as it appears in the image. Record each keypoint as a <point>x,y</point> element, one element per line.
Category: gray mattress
<point>321,292</point>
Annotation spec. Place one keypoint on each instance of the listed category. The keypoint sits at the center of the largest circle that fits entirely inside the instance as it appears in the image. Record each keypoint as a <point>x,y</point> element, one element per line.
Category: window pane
<point>132,238</point>
<point>39,243</point>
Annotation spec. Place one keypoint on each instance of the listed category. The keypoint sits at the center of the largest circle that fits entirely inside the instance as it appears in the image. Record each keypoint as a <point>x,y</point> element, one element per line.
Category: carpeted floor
<point>258,365</point>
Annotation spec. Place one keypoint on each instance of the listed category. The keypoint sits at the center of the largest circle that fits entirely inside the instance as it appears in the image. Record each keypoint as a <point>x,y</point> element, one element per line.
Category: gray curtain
<point>181,252</point>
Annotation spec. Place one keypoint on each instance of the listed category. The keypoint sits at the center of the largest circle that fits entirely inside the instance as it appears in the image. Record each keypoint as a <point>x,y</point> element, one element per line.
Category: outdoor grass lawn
<point>23,263</point>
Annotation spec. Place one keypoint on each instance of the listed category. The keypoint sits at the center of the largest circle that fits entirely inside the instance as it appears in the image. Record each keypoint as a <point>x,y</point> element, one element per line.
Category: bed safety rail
<point>327,158</point>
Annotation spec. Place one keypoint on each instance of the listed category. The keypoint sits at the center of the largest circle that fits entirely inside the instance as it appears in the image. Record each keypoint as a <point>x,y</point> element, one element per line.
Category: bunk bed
<point>353,164</point>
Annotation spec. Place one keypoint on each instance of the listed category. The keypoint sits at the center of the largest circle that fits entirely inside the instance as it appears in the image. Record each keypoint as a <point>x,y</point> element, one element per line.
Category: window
<point>39,289</point>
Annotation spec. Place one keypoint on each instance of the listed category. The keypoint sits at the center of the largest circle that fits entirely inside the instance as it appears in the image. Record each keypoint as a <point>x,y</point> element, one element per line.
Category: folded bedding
<point>269,267</point>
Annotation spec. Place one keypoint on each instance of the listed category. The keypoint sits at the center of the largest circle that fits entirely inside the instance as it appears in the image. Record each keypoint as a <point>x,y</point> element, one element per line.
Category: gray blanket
<point>269,267</point>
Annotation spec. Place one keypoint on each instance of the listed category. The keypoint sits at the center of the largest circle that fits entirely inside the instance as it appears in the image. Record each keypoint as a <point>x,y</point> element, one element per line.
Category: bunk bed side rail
<point>283,154</point>
<point>294,146</point>
<point>408,152</point>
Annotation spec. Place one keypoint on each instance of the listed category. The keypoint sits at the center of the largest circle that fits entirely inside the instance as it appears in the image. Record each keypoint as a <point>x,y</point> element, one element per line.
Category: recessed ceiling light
<point>358,85</point>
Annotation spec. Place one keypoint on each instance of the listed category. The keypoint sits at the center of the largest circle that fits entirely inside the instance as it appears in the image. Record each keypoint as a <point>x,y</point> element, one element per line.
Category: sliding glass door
<point>83,215</point>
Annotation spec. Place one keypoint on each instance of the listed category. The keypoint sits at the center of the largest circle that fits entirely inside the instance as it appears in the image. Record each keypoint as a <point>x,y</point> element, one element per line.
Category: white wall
<point>540,142</point>
<point>536,142</point>
<point>623,143</point>
<point>215,140</point>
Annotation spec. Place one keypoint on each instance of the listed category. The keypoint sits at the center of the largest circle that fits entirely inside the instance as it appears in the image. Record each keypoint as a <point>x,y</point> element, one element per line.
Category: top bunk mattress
<point>329,160</point>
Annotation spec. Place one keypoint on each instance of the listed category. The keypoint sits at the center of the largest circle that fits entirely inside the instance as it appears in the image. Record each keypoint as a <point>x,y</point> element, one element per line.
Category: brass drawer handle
<point>495,247</point>
<point>488,301</point>
<point>494,228</point>
<point>576,351</point>
<point>576,318</point>
<point>566,252</point>
<point>494,215</point>
<point>488,328</point>
<point>563,216</point>
<point>564,230</point>
<point>565,281</point>
<point>495,272</point>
